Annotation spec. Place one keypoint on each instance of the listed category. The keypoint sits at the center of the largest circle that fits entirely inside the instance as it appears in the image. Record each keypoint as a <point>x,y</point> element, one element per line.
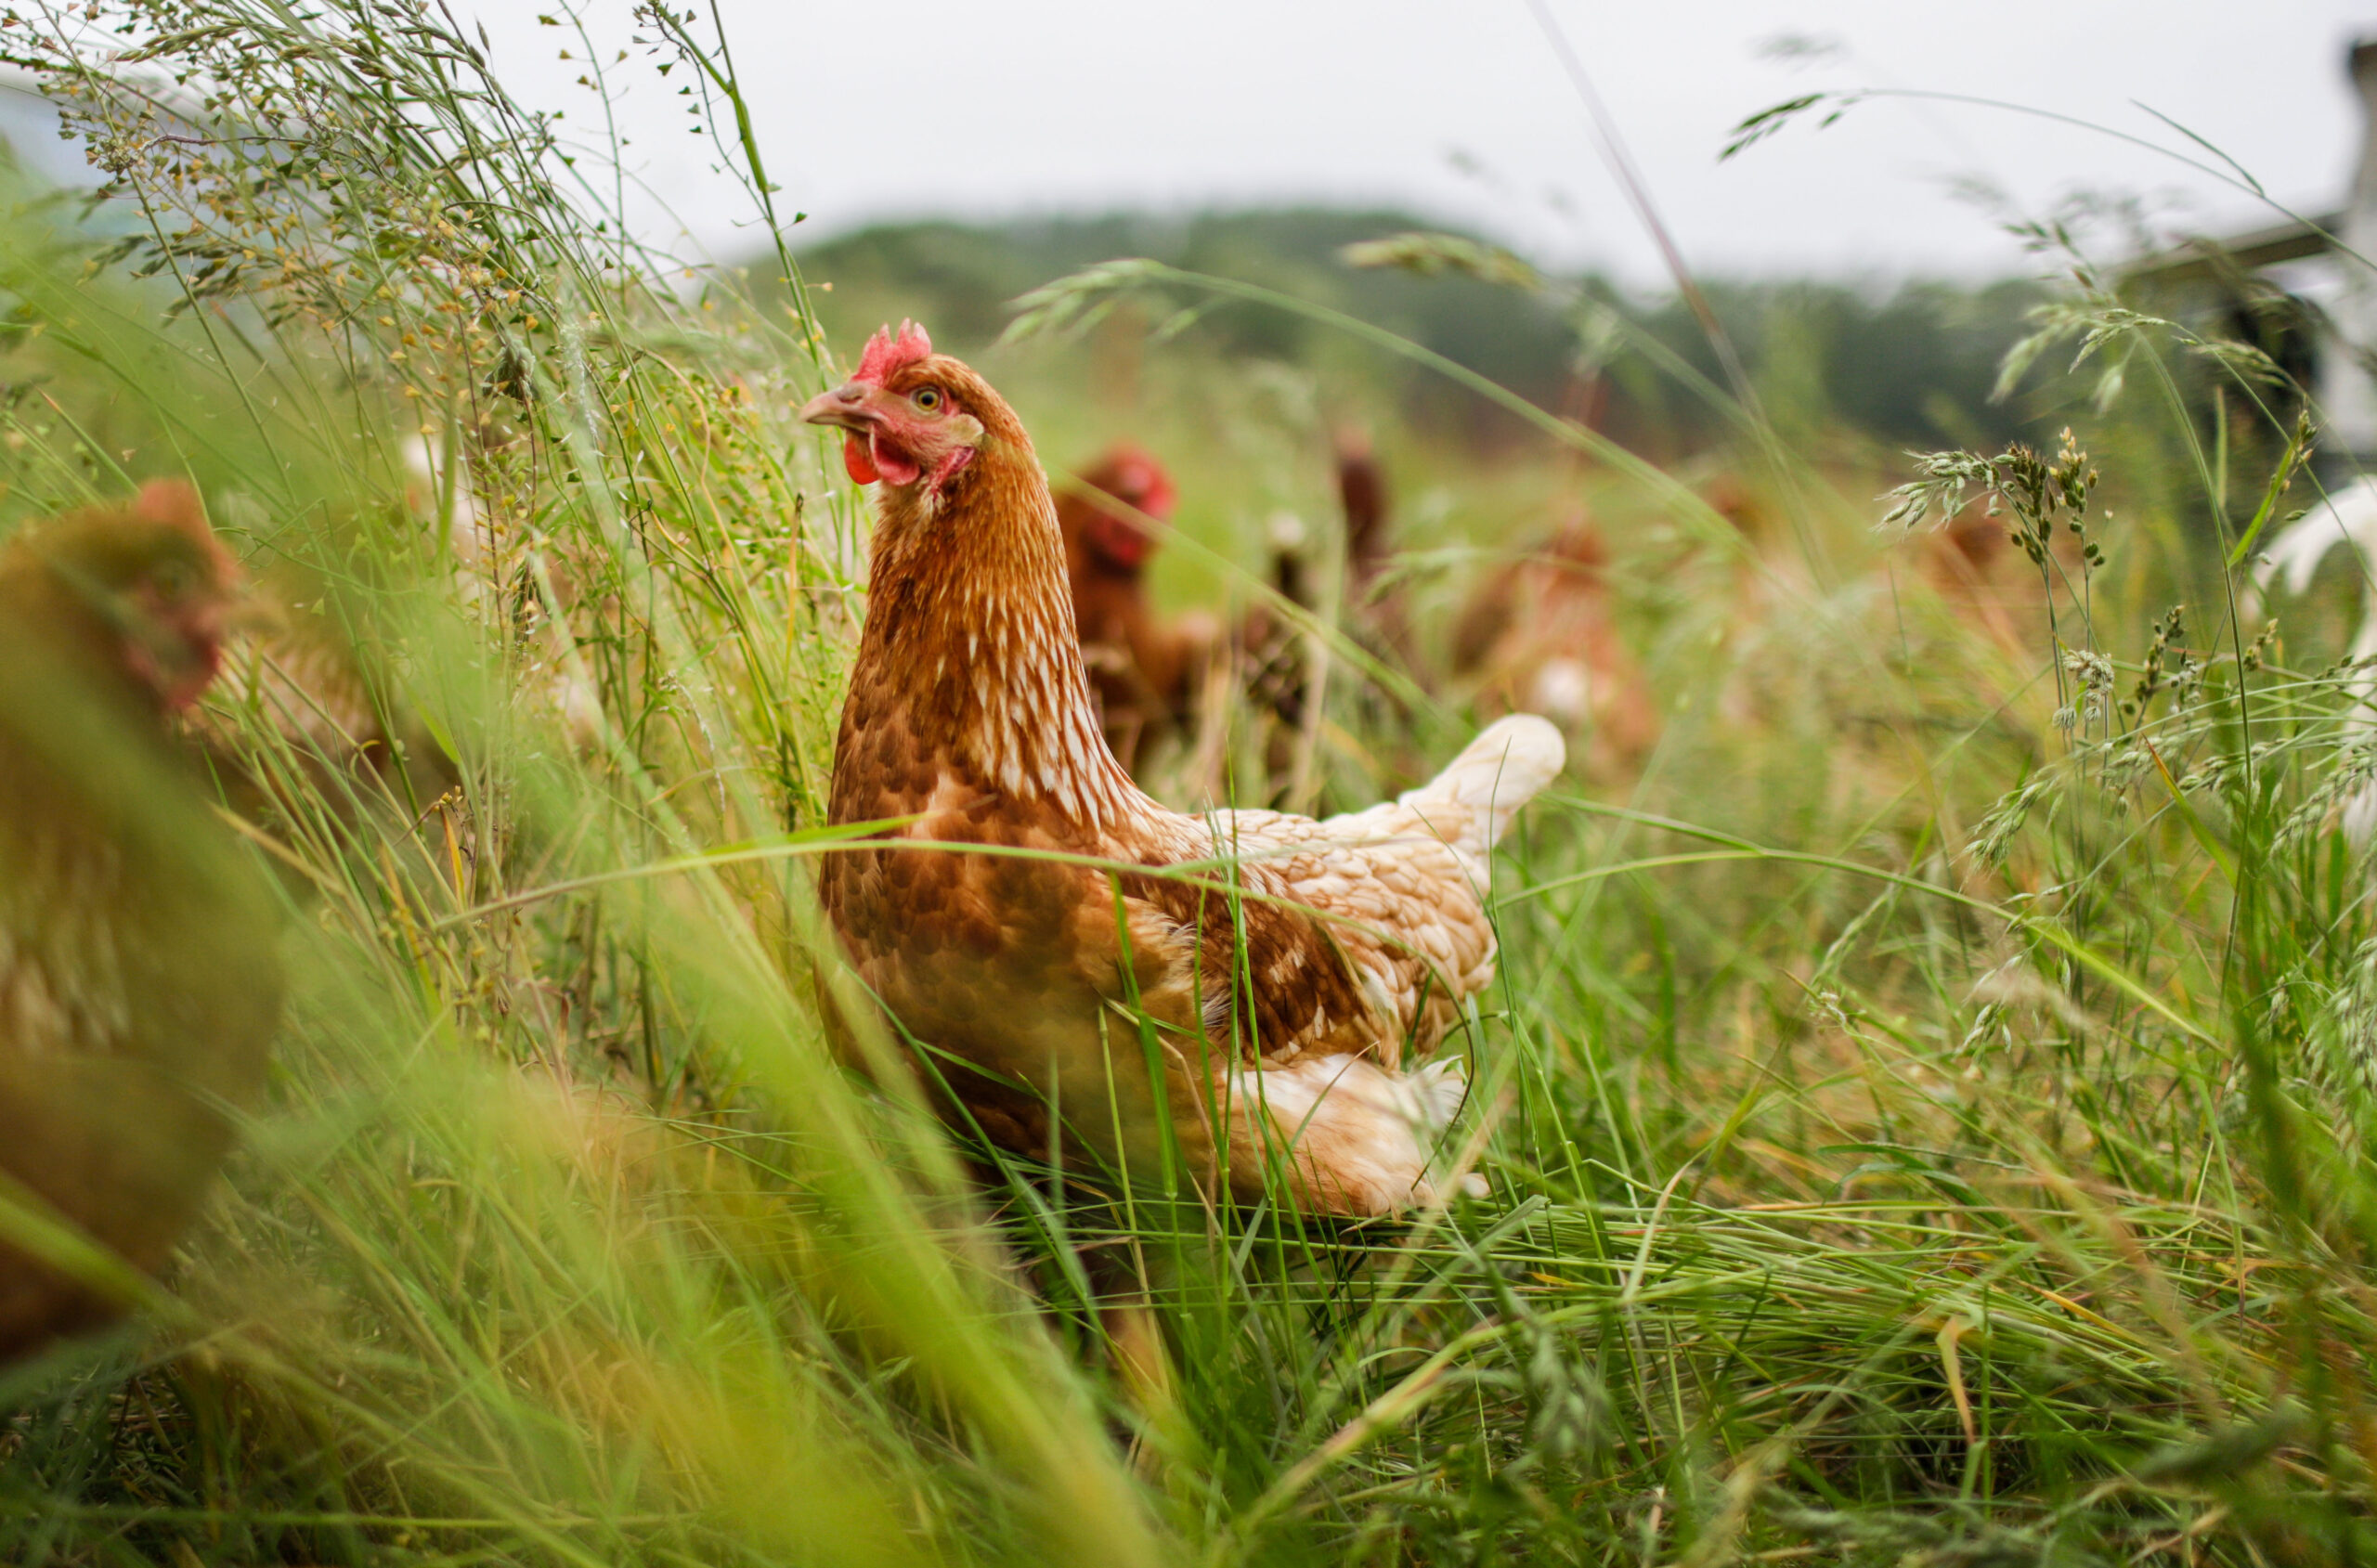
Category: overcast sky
<point>1461,110</point>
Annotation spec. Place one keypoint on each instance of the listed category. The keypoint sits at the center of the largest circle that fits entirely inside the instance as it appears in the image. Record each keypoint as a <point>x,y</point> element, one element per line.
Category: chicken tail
<point>1495,774</point>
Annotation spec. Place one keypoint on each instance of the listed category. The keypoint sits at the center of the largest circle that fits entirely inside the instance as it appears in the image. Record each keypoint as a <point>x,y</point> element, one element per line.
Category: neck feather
<point>970,630</point>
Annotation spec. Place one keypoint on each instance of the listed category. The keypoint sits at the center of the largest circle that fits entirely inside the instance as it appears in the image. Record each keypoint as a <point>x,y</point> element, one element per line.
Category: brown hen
<point>1144,671</point>
<point>969,714</point>
<point>1542,633</point>
<point>139,983</point>
<point>304,714</point>
<point>1377,601</point>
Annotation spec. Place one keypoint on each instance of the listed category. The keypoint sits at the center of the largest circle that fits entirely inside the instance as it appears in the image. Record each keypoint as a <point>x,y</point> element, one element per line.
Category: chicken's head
<point>1120,536</point>
<point>156,585</point>
<point>907,413</point>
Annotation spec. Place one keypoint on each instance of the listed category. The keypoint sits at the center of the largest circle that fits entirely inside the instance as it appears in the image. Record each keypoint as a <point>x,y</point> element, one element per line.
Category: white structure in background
<point>2348,517</point>
<point>2329,260</point>
<point>2348,394</point>
<point>2345,393</point>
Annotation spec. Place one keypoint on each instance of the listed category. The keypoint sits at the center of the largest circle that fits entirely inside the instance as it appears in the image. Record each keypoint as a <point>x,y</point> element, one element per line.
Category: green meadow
<point>1924,1102</point>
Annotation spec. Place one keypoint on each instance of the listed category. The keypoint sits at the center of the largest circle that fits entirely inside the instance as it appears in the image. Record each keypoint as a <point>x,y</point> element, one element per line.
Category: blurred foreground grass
<point>1924,1110</point>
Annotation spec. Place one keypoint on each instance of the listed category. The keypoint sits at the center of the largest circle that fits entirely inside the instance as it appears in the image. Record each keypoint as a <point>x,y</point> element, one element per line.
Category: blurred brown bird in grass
<point>1540,635</point>
<point>1377,606</point>
<point>1980,572</point>
<point>140,985</point>
<point>302,713</point>
<point>1281,668</point>
<point>1275,663</point>
<point>1144,671</point>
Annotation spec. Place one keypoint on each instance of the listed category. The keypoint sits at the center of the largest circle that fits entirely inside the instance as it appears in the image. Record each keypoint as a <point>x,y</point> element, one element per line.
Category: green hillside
<point>1908,363</point>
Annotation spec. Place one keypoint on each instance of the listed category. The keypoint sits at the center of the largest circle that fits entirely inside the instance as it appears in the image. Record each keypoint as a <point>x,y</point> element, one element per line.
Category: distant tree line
<point>1909,365</point>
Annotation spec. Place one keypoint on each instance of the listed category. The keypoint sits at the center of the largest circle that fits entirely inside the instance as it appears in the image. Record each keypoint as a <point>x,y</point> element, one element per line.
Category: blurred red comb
<point>1130,474</point>
<point>1159,496</point>
<point>885,354</point>
<point>172,501</point>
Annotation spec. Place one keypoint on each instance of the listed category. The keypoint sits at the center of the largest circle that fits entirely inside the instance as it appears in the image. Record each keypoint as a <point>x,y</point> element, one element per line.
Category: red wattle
<point>855,458</point>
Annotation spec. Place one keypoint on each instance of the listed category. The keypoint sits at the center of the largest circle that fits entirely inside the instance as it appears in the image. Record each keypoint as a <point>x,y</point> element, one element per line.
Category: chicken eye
<point>928,398</point>
<point>171,580</point>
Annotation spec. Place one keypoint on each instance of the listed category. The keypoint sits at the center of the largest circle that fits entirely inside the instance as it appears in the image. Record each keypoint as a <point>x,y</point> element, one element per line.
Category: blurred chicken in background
<point>1283,671</point>
<point>2347,517</point>
<point>1376,604</point>
<point>1540,635</point>
<point>1981,574</point>
<point>1144,671</point>
<point>140,985</point>
<point>303,712</point>
<point>1274,656</point>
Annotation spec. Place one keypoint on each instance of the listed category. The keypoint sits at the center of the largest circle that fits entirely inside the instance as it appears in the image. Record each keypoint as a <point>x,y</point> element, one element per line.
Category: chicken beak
<point>849,405</point>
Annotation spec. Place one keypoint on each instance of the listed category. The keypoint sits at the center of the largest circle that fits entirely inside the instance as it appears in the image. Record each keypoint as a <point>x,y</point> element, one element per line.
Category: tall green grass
<point>1924,1110</point>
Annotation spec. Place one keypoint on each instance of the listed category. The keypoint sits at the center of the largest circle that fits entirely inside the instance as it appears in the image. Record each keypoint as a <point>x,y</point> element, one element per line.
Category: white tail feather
<point>1495,774</point>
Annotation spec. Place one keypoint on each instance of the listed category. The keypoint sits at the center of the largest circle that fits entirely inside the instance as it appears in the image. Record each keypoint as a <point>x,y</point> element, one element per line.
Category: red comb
<point>174,503</point>
<point>1159,496</point>
<point>1129,474</point>
<point>886,354</point>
